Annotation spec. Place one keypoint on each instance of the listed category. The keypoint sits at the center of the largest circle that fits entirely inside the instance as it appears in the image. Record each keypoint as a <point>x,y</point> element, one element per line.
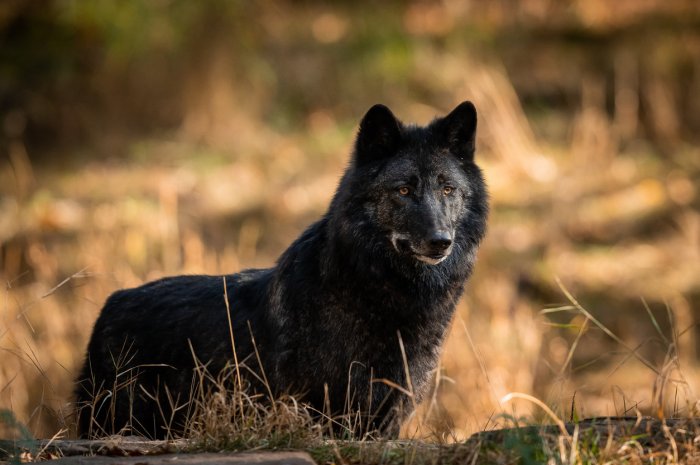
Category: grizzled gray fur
<point>388,260</point>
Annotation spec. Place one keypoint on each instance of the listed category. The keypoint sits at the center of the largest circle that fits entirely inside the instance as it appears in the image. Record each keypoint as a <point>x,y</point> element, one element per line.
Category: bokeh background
<point>154,137</point>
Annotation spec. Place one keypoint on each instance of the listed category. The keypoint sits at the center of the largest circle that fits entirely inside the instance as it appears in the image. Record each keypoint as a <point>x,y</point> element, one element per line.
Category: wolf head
<point>417,189</point>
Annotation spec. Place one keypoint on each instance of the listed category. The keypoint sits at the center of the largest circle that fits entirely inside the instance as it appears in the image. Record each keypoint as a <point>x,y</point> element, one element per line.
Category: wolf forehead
<point>418,149</point>
<point>420,165</point>
<point>425,145</point>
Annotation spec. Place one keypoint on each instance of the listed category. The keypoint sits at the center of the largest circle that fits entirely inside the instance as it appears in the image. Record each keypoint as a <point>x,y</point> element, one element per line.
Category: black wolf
<point>364,295</point>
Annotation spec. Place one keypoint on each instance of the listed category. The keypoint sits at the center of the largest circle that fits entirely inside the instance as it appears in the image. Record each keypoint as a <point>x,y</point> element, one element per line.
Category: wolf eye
<point>447,190</point>
<point>404,190</point>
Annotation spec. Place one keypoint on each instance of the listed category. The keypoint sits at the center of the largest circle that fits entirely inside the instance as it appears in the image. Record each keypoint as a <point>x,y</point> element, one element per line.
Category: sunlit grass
<point>577,198</point>
<point>117,225</point>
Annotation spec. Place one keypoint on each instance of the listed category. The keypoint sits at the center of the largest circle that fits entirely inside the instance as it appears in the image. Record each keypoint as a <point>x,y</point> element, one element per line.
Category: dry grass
<point>225,415</point>
<point>595,208</point>
<point>79,234</point>
<point>228,417</point>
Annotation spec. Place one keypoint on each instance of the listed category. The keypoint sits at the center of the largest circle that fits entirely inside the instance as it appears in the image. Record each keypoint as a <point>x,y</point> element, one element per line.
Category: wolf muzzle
<point>433,250</point>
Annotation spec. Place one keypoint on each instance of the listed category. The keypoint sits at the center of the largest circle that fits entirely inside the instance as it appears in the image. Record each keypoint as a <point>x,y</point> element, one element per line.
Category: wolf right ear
<point>459,130</point>
<point>379,135</point>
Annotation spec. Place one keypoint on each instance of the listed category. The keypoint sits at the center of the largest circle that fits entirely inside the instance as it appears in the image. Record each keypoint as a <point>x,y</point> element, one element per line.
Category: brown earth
<point>674,438</point>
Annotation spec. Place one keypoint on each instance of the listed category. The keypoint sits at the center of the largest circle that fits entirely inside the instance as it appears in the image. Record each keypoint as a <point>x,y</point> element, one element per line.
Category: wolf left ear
<point>379,135</point>
<point>459,130</point>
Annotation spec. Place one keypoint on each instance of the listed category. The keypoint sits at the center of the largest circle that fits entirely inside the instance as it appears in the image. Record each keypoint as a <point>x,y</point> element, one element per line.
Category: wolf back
<point>363,296</point>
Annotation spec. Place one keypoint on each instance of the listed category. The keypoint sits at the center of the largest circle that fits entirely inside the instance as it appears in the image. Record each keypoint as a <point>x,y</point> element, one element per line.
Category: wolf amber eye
<point>447,190</point>
<point>404,190</point>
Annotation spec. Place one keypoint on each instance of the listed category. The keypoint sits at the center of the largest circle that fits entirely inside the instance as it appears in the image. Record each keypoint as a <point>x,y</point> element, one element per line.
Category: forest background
<point>148,138</point>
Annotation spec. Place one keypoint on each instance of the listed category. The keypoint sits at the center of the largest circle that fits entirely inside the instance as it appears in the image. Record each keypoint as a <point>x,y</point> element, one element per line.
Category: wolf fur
<point>384,266</point>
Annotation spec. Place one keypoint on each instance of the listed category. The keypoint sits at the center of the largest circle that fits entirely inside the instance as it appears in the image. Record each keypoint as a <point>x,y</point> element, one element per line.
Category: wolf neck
<point>324,276</point>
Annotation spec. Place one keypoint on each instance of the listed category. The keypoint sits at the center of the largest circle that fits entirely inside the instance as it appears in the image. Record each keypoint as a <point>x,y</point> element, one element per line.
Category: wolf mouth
<point>431,259</point>
<point>403,245</point>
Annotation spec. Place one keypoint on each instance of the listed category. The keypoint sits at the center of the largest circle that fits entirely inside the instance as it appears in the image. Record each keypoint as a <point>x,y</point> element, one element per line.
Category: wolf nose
<point>441,240</point>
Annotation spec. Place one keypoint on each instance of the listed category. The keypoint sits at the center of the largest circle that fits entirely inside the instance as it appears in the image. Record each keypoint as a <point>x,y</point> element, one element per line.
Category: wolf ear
<point>379,135</point>
<point>459,130</point>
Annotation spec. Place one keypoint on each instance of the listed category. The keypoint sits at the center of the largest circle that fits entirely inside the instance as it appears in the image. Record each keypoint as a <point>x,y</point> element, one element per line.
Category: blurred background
<point>155,137</point>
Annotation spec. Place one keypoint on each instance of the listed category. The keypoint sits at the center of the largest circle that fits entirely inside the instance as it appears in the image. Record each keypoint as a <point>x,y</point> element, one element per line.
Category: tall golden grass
<point>597,216</point>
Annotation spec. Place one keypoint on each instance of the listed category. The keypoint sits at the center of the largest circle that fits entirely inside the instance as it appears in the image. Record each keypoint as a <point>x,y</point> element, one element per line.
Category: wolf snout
<point>435,248</point>
<point>440,241</point>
